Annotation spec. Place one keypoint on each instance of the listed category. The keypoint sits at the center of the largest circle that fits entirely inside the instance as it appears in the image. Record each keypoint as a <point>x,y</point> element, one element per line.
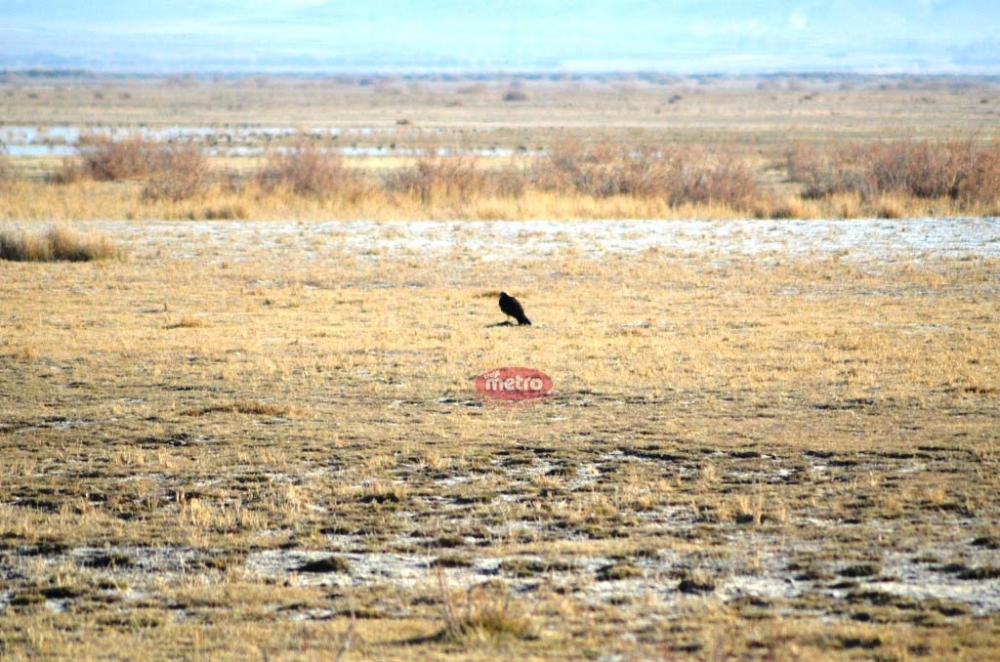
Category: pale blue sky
<point>681,37</point>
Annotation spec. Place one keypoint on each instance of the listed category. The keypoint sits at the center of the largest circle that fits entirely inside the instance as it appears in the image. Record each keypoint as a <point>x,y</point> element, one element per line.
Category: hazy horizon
<point>308,36</point>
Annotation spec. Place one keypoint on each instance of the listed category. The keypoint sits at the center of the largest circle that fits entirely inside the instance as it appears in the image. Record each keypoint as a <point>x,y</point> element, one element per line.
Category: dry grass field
<point>260,438</point>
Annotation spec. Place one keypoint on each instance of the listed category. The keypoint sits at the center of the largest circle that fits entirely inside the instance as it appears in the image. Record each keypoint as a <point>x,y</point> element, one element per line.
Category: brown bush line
<point>681,175</point>
<point>884,178</point>
<point>178,171</point>
<point>960,170</point>
<point>171,170</point>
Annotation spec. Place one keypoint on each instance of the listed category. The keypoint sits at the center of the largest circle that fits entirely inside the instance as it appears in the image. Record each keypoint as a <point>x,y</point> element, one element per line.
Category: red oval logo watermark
<point>513,384</point>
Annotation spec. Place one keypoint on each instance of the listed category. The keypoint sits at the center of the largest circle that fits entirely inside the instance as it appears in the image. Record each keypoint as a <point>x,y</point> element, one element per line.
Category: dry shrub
<point>602,170</point>
<point>704,177</point>
<point>681,175</point>
<point>309,171</point>
<point>919,169</point>
<point>515,96</point>
<point>57,244</point>
<point>178,171</point>
<point>806,163</point>
<point>6,170</point>
<point>106,160</point>
<point>455,177</point>
<point>982,178</point>
<point>959,170</point>
<point>174,171</point>
<point>70,172</point>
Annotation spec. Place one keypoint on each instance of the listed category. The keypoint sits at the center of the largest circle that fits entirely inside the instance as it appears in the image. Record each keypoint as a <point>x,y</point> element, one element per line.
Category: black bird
<point>512,307</point>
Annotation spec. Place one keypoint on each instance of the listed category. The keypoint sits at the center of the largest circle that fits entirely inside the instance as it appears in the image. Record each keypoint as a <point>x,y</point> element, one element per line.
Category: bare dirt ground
<point>767,439</point>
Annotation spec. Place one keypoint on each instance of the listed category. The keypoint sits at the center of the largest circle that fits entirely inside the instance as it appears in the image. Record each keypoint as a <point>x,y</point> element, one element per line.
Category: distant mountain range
<point>682,36</point>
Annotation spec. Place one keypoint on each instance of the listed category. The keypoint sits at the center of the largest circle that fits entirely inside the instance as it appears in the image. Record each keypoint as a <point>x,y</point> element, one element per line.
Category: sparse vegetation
<point>251,407</point>
<point>482,615</point>
<point>252,441</point>
<point>670,148</point>
<point>275,472</point>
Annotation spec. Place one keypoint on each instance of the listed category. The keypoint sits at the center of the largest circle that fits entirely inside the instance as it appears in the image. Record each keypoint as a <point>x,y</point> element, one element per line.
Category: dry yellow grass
<point>34,201</point>
<point>793,456</point>
<point>55,244</point>
<point>262,439</point>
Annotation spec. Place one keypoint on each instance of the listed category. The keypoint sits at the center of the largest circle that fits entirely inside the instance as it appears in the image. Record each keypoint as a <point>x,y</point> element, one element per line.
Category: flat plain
<point>768,439</point>
<point>450,147</point>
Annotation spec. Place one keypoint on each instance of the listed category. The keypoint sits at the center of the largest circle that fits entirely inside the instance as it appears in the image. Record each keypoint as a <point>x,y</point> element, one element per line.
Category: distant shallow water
<point>65,139</point>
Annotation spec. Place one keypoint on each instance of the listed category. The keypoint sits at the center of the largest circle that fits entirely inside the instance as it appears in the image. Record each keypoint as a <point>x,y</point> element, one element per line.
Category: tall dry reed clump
<point>56,244</point>
<point>682,175</point>
<point>172,171</point>
<point>963,171</point>
<point>308,171</point>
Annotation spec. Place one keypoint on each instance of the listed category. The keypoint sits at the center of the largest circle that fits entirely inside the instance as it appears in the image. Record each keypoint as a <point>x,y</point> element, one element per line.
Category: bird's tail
<point>523,319</point>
